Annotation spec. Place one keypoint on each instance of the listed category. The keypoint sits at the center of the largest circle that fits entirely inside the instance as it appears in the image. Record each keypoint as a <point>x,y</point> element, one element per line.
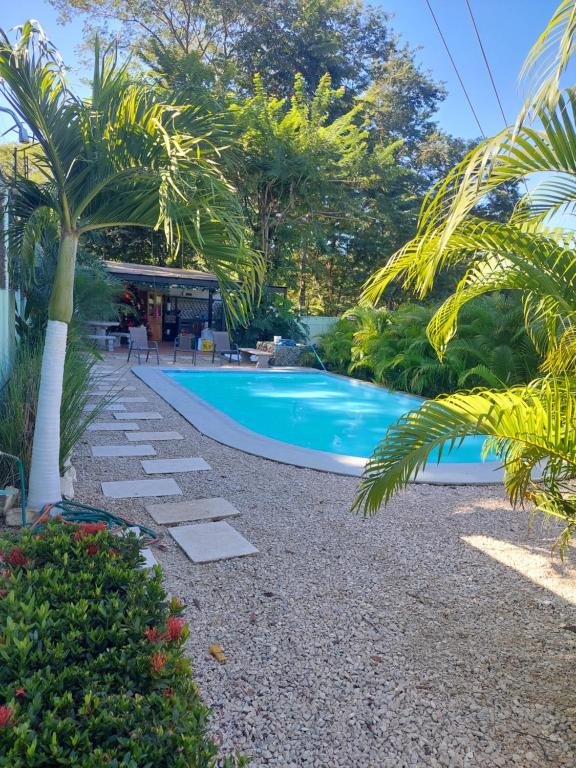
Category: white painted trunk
<point>44,485</point>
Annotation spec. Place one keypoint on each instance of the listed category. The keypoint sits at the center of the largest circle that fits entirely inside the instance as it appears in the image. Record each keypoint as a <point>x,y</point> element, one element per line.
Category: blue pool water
<point>312,410</point>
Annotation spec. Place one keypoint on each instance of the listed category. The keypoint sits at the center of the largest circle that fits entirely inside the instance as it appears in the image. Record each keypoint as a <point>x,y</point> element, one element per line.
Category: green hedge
<point>91,665</point>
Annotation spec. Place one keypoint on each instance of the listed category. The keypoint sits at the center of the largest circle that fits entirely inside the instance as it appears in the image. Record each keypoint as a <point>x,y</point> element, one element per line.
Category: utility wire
<point>455,67</point>
<point>486,61</point>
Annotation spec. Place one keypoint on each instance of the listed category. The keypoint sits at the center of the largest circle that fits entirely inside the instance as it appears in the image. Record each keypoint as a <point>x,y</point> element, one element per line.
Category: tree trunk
<point>303,279</point>
<point>44,485</point>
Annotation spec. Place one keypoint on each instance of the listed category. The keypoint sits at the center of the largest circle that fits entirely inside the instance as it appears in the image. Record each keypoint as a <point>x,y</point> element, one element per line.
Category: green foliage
<point>19,399</point>
<point>274,316</point>
<point>529,427</point>
<point>92,671</point>
<point>391,347</point>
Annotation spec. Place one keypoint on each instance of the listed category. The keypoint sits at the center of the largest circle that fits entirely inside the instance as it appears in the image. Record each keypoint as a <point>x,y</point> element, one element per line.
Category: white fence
<point>318,325</point>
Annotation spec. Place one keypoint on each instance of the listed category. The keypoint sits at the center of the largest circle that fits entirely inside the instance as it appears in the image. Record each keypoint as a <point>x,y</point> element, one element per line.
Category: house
<point>170,300</point>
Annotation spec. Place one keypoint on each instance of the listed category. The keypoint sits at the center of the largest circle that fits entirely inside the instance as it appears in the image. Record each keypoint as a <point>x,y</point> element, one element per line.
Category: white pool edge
<point>223,429</point>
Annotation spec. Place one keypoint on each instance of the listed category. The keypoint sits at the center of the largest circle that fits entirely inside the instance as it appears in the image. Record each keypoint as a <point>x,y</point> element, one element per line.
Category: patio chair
<point>185,342</point>
<point>139,343</point>
<point>224,348</point>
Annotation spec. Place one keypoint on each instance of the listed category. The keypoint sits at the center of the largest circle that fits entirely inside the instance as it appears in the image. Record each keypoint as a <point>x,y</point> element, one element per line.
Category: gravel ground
<point>439,633</point>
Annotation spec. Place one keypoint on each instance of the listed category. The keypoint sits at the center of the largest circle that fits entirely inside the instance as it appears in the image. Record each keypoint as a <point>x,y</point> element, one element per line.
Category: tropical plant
<point>19,399</point>
<point>531,428</point>
<point>114,159</point>
<point>392,348</point>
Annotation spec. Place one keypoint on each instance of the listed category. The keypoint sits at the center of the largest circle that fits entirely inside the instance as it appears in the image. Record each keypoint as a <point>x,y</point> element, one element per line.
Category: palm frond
<point>526,426</point>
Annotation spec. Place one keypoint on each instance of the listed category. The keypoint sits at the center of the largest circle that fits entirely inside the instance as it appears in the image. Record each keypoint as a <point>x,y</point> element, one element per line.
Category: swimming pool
<point>304,417</point>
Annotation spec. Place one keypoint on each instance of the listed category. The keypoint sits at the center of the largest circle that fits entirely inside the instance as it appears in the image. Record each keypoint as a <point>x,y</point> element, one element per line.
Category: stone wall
<point>284,357</point>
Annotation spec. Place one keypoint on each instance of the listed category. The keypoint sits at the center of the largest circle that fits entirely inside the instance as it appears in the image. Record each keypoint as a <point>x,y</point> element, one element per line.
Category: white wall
<point>318,324</point>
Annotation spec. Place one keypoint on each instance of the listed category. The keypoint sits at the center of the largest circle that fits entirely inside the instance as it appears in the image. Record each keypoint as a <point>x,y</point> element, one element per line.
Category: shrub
<point>19,400</point>
<point>92,671</point>
<point>392,348</point>
<point>275,316</point>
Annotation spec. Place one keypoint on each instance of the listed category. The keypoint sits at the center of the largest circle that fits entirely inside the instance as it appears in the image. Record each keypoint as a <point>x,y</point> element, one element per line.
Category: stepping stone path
<point>104,451</point>
<point>137,489</point>
<point>206,542</point>
<point>191,511</point>
<point>133,437</point>
<point>165,466</point>
<point>140,415</point>
<point>203,542</point>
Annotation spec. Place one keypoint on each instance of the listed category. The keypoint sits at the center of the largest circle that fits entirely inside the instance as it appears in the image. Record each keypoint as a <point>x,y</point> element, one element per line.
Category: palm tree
<point>119,158</point>
<point>531,427</point>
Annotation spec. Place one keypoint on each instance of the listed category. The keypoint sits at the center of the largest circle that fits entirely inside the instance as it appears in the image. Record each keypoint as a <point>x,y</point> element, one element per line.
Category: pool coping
<point>223,429</point>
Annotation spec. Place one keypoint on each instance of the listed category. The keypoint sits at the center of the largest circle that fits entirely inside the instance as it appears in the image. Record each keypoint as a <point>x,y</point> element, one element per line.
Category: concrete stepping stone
<point>136,436</point>
<point>105,451</point>
<point>150,560</point>
<point>110,407</point>
<point>137,489</point>
<point>131,400</point>
<point>111,426</point>
<point>192,510</point>
<point>206,542</point>
<point>168,466</point>
<point>140,415</point>
<point>118,388</point>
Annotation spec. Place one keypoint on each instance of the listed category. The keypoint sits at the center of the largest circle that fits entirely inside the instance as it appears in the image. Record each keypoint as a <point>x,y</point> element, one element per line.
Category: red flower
<point>174,628</point>
<point>153,635</point>
<point>17,557</point>
<point>158,661</point>
<point>6,714</point>
<point>88,529</point>
<point>6,573</point>
<point>20,693</point>
<point>92,549</point>
<point>168,692</point>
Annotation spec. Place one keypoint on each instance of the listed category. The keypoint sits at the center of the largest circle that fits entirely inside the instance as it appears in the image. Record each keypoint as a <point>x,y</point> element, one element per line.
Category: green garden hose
<point>74,512</point>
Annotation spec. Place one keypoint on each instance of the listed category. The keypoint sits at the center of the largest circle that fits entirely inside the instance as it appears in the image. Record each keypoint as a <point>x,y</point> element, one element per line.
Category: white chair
<point>139,342</point>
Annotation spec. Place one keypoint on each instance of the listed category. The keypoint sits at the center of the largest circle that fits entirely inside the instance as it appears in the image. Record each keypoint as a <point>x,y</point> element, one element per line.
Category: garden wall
<point>318,325</point>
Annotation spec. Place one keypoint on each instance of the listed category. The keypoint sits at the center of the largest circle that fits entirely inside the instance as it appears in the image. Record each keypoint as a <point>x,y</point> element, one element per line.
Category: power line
<point>455,67</point>
<point>486,62</point>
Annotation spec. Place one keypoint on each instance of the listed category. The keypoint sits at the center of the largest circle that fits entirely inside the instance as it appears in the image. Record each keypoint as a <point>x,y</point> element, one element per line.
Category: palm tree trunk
<point>44,485</point>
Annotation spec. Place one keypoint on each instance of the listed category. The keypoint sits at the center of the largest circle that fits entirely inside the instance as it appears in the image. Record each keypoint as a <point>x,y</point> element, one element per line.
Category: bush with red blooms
<point>92,671</point>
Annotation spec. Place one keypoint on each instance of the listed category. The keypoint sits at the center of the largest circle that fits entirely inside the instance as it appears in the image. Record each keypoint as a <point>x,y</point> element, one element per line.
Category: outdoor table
<point>262,357</point>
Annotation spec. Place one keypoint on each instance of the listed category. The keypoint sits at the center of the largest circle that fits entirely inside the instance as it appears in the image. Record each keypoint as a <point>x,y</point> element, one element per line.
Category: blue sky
<point>508,28</point>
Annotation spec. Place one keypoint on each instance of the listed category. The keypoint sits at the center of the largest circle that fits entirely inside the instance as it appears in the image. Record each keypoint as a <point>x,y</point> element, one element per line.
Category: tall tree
<point>531,428</point>
<point>116,158</point>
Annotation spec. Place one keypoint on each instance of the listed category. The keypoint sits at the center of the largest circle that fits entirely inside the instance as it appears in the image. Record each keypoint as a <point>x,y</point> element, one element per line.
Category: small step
<point>192,510</point>
<point>138,489</point>
<point>121,451</point>
<point>168,466</point>
<point>135,436</point>
<point>131,400</point>
<point>207,542</point>
<point>111,426</point>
